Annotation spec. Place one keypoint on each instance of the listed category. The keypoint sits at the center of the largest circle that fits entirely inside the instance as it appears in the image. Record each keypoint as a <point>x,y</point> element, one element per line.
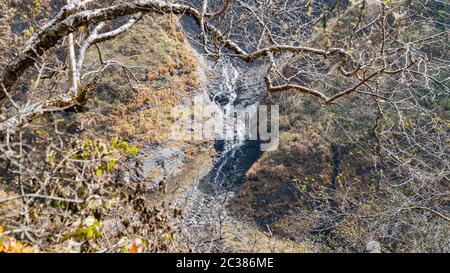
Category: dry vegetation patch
<point>73,167</point>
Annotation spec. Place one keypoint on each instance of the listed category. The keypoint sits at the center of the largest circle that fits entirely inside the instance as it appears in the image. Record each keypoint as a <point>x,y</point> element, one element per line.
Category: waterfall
<point>232,86</point>
<point>231,91</point>
<point>224,95</point>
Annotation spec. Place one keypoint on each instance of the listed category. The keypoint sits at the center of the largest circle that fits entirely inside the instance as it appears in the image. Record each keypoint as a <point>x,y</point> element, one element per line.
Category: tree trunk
<point>72,62</point>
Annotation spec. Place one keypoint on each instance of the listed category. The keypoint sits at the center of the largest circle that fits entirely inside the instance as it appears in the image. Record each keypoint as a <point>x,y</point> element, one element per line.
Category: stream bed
<point>230,85</point>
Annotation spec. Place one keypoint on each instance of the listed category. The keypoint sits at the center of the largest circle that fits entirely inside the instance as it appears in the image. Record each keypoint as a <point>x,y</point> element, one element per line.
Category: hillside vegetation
<point>86,155</point>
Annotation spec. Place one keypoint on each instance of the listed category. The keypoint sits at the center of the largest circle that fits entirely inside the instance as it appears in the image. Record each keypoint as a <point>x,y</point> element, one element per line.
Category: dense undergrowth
<point>73,167</point>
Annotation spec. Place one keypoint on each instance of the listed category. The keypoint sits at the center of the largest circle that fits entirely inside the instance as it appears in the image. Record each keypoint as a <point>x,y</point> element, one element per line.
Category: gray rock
<point>162,164</point>
<point>373,247</point>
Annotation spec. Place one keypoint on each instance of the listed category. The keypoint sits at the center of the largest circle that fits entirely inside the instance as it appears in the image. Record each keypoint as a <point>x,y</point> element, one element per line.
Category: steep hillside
<point>113,149</point>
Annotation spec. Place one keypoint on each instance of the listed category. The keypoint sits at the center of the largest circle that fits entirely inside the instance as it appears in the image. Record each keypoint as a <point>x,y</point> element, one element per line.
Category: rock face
<point>166,160</point>
<point>161,164</point>
<point>373,247</point>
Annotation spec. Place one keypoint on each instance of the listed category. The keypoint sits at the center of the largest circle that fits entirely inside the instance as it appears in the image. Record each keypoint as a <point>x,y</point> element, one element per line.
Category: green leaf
<point>51,157</point>
<point>89,233</point>
<point>124,145</point>
<point>86,143</point>
<point>104,167</point>
<point>111,164</point>
<point>102,149</point>
<point>134,151</point>
<point>113,143</point>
